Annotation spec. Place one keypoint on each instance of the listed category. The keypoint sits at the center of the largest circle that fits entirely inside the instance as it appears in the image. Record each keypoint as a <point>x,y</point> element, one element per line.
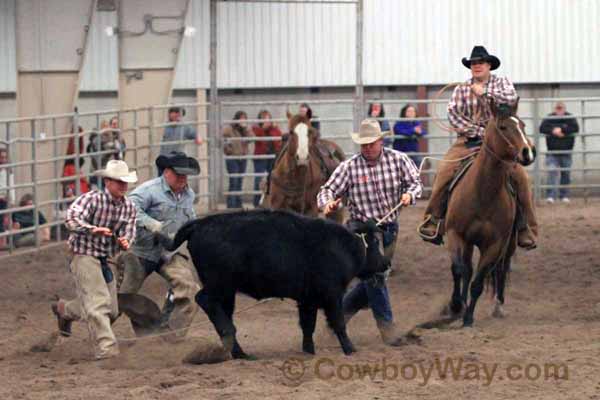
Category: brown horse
<point>302,167</point>
<point>482,212</point>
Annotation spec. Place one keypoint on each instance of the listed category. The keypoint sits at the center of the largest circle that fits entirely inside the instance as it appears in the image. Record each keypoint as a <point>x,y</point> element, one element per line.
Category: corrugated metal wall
<point>272,45</point>
<point>192,70</point>
<point>8,58</point>
<point>300,45</point>
<point>405,42</point>
<point>422,42</point>
<point>100,71</point>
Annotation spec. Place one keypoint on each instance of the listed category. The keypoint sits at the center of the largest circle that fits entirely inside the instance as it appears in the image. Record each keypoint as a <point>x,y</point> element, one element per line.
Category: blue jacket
<point>174,133</point>
<point>408,143</point>
<point>154,200</point>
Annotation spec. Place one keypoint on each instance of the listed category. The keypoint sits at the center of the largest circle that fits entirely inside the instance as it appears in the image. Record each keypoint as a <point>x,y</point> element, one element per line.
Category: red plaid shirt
<point>99,209</point>
<point>373,191</point>
<point>467,113</point>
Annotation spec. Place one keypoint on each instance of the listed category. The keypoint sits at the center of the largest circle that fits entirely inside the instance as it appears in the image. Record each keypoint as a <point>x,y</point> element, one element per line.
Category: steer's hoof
<point>207,355</point>
<point>348,350</point>
<point>309,348</point>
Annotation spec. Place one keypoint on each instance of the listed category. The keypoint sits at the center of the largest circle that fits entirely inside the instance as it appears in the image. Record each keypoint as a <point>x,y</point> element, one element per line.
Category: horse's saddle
<point>464,167</point>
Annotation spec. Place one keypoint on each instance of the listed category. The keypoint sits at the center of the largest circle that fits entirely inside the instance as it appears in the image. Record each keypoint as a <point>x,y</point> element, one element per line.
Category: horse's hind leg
<point>501,284</point>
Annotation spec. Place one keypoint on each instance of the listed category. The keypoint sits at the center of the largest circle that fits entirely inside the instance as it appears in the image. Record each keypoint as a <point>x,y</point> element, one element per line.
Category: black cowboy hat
<point>178,162</point>
<point>479,53</point>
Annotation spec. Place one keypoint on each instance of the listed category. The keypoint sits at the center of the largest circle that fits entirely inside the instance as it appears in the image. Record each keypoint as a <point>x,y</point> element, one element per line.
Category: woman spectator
<point>265,128</point>
<point>306,111</point>
<point>377,111</point>
<point>237,130</point>
<point>69,166</point>
<point>410,132</point>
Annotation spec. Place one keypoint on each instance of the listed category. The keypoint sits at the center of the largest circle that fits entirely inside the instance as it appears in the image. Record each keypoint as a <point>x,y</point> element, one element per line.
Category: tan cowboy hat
<point>369,132</point>
<point>119,171</point>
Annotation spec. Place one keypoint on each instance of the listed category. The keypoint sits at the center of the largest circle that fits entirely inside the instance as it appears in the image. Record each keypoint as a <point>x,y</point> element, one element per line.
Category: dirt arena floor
<point>548,346</point>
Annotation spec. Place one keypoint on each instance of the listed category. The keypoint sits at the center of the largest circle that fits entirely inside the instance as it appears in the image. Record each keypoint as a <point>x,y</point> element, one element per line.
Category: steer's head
<point>371,238</point>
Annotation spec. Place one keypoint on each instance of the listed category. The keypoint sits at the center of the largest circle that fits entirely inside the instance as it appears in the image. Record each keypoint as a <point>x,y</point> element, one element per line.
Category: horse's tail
<point>499,271</point>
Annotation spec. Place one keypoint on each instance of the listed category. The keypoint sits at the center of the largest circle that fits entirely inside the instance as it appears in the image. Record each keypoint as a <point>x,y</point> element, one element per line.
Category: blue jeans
<point>259,166</point>
<point>558,161</point>
<point>373,292</point>
<point>235,183</point>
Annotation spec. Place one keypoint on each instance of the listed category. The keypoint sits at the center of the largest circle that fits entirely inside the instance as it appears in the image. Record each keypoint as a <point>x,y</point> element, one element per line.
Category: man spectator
<point>176,133</point>
<point>560,130</point>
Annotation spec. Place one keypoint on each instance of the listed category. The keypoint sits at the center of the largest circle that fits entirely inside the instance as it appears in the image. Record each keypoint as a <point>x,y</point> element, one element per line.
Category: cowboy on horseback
<point>468,112</point>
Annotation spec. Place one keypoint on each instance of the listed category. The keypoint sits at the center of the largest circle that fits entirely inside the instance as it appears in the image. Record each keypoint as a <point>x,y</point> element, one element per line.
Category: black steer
<point>265,253</point>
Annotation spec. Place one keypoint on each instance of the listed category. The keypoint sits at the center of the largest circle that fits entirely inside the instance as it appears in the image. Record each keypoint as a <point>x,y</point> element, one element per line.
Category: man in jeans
<point>559,130</point>
<point>101,223</point>
<point>374,181</point>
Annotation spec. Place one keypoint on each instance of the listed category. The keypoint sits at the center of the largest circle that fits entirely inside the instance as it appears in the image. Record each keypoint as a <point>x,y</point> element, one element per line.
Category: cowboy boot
<point>526,234</point>
<point>64,324</point>
<point>167,310</point>
<point>387,329</point>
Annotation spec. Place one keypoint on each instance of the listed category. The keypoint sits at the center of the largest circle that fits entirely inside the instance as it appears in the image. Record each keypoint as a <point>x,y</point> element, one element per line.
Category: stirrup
<point>436,238</point>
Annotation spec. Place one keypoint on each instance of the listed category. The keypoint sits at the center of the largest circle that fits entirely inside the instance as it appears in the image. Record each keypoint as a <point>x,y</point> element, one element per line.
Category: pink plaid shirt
<point>373,191</point>
<point>99,209</point>
<point>464,105</point>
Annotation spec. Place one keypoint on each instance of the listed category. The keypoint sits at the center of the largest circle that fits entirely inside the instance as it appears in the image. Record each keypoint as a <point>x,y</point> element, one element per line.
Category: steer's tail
<point>182,235</point>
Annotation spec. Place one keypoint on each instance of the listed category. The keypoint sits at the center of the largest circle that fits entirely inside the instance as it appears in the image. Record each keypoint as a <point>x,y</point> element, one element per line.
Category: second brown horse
<point>302,167</point>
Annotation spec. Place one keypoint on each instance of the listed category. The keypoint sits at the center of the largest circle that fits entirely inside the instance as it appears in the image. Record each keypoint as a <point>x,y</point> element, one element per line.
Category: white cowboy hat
<point>119,171</point>
<point>369,132</point>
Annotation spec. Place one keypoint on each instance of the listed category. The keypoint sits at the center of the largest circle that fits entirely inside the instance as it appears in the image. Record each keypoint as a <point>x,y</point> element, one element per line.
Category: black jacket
<point>569,127</point>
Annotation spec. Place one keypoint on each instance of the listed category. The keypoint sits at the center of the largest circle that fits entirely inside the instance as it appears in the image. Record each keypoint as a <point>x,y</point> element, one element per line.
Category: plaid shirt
<point>99,209</point>
<point>466,111</point>
<point>373,191</point>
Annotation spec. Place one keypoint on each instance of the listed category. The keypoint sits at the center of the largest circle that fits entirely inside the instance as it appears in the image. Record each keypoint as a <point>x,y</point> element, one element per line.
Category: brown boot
<point>388,333</point>
<point>430,230</point>
<point>64,325</point>
<point>526,239</point>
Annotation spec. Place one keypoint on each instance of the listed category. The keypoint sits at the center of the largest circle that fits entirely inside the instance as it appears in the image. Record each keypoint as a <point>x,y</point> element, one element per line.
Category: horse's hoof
<point>468,323</point>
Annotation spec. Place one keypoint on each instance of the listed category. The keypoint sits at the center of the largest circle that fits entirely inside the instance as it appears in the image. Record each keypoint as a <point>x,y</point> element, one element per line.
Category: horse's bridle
<point>510,146</point>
